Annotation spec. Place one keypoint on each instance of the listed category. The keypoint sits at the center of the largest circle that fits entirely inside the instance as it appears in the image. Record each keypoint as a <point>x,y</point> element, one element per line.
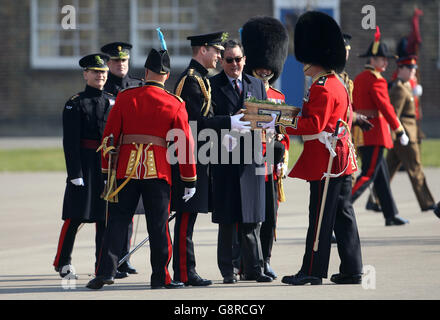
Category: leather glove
<point>229,142</point>
<point>271,125</point>
<point>78,182</point>
<point>239,125</point>
<point>188,193</point>
<point>362,122</point>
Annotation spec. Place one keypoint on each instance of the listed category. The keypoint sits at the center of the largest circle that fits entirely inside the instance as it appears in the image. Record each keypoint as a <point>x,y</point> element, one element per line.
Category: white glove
<point>418,90</point>
<point>78,182</point>
<point>282,166</point>
<point>404,139</point>
<point>229,142</point>
<point>188,193</point>
<point>239,125</point>
<point>271,125</point>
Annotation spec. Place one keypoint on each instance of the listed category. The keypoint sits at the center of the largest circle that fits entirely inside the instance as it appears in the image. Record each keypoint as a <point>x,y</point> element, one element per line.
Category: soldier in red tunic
<point>370,98</point>
<point>265,42</point>
<point>140,122</point>
<point>320,47</point>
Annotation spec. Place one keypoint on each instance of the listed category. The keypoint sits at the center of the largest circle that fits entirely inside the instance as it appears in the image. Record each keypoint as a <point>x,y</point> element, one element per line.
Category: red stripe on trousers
<point>182,246</point>
<point>61,241</point>
<point>362,180</point>
<point>318,208</point>
<point>170,248</point>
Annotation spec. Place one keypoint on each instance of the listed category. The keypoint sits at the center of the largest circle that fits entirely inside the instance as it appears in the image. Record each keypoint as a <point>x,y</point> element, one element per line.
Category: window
<point>177,20</point>
<point>54,47</point>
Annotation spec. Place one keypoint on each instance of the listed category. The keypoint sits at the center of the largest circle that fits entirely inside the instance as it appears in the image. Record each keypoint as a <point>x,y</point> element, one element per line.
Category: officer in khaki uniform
<point>402,99</point>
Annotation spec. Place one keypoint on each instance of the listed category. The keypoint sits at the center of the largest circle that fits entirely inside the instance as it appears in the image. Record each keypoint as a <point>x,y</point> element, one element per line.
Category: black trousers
<point>267,232</point>
<point>338,215</point>
<point>67,240</point>
<point>156,199</point>
<point>375,170</point>
<point>250,247</point>
<point>184,259</point>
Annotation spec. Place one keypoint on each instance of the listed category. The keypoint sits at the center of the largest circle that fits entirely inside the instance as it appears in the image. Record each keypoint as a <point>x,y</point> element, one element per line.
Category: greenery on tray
<point>255,100</point>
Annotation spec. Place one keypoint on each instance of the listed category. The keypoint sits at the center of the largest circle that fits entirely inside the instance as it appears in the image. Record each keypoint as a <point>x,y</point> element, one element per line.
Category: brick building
<point>39,58</point>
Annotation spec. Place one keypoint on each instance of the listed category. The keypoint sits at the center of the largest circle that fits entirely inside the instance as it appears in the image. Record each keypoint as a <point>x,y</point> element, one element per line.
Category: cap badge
<point>225,36</point>
<point>98,60</point>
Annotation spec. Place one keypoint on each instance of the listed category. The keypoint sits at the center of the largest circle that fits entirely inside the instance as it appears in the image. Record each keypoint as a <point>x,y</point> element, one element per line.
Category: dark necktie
<point>236,87</point>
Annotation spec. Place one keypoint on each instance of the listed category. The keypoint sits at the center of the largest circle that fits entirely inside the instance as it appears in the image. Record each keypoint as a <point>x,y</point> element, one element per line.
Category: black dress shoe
<point>437,210</point>
<point>373,206</point>
<point>99,282</point>
<point>268,271</point>
<point>300,279</point>
<point>127,267</point>
<point>197,281</point>
<point>432,207</point>
<point>340,278</point>
<point>396,221</point>
<point>263,278</point>
<point>172,285</point>
<point>229,279</point>
<point>121,275</point>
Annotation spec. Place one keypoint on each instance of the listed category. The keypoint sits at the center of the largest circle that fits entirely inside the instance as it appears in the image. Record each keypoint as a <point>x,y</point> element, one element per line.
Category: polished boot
<point>340,278</point>
<point>172,285</point>
<point>300,279</point>
<point>396,221</point>
<point>268,271</point>
<point>98,282</point>
<point>197,281</point>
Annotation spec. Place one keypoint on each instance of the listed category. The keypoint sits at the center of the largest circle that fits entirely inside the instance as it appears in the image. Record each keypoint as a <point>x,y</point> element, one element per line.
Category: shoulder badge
<point>190,72</point>
<point>175,96</point>
<point>322,80</point>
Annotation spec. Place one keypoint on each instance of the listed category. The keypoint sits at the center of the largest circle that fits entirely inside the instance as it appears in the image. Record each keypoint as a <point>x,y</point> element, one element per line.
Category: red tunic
<point>370,97</point>
<point>327,102</point>
<point>149,110</point>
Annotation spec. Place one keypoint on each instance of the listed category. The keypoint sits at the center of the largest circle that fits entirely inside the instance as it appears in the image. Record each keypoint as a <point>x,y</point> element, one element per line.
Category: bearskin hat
<point>265,43</point>
<point>318,40</point>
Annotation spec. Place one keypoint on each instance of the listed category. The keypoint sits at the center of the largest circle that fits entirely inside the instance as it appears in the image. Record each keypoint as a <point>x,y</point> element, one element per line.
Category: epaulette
<point>128,88</point>
<point>275,90</point>
<point>376,74</point>
<point>176,96</point>
<point>321,81</point>
<point>74,97</point>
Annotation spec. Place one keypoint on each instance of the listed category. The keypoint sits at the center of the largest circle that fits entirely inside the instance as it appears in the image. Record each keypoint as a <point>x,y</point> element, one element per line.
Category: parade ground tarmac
<point>402,262</point>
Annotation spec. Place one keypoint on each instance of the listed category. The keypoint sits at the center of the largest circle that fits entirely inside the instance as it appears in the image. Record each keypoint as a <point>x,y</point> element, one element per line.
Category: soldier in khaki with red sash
<point>140,121</point>
<point>402,98</point>
<point>326,103</point>
<point>370,98</point>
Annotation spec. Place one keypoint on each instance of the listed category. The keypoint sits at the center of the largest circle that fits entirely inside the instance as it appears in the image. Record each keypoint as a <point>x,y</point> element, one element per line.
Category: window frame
<point>59,62</point>
<point>137,57</point>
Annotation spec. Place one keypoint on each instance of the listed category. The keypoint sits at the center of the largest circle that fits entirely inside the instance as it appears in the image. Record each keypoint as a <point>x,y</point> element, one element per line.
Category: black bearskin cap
<point>319,41</point>
<point>265,42</point>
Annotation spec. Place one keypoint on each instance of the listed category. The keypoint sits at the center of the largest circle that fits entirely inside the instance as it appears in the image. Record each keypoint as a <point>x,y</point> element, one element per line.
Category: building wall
<point>31,100</point>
